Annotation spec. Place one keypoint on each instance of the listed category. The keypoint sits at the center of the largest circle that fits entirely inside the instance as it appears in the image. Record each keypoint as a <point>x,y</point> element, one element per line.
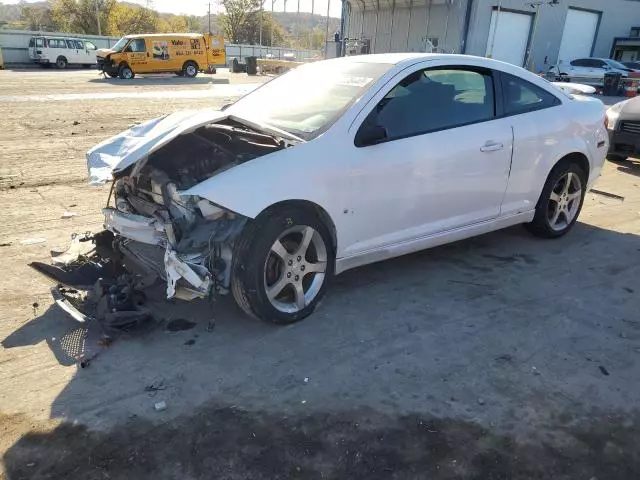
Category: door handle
<point>491,147</point>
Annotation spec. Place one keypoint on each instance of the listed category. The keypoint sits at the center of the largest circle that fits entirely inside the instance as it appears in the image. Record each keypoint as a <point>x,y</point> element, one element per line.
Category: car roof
<point>408,58</point>
<point>145,35</point>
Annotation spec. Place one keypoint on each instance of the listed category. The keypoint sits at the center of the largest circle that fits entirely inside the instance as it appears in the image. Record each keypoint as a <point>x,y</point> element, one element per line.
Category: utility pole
<point>98,18</point>
<point>261,9</point>
<point>326,33</point>
<point>311,29</point>
<point>209,17</point>
<point>272,23</point>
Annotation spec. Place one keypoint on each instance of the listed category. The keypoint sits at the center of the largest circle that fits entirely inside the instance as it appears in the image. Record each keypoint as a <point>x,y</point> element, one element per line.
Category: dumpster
<point>612,84</point>
<point>252,65</point>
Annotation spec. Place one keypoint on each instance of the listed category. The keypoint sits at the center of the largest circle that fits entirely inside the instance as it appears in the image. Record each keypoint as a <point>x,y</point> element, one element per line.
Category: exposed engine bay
<point>186,240</point>
<point>153,230</point>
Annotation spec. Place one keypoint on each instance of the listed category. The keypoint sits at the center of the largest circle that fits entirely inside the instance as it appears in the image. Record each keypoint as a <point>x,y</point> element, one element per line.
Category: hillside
<point>290,22</point>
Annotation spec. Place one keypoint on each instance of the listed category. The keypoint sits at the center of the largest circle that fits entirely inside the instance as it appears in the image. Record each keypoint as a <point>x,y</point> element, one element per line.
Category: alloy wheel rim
<point>564,201</point>
<point>191,70</point>
<point>295,269</point>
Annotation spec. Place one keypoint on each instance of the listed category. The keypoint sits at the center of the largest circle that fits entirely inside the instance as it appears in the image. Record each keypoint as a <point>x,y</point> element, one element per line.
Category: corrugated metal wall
<point>396,33</point>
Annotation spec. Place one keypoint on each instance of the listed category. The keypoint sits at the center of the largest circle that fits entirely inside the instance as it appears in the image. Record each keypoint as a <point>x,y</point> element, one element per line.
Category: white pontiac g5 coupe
<point>342,163</point>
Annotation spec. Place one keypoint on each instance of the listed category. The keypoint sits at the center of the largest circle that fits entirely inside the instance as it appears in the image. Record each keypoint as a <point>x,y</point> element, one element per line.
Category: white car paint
<point>589,70</point>
<point>404,195</point>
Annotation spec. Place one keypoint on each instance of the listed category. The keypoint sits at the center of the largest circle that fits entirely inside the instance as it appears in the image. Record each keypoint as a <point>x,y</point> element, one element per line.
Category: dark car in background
<point>635,66</point>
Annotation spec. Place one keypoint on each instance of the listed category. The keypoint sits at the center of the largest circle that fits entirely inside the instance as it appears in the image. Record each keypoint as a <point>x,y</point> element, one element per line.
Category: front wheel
<point>282,264</point>
<point>126,73</point>
<point>190,69</point>
<point>560,202</point>
<point>61,63</point>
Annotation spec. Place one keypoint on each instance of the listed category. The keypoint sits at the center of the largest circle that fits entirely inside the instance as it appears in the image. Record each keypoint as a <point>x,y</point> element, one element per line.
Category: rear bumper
<point>624,144</point>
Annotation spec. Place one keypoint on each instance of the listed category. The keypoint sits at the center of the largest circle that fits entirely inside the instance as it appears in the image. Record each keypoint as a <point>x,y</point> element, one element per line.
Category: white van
<point>62,51</point>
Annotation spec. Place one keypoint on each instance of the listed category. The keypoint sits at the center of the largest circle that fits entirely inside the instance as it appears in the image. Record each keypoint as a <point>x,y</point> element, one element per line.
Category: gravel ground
<point>501,356</point>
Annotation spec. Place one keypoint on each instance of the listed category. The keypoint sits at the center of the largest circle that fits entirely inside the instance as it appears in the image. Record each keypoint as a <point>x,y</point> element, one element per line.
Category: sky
<point>200,7</point>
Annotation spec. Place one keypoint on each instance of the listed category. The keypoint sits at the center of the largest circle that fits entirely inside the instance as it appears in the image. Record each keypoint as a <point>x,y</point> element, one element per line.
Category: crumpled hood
<point>103,52</point>
<point>123,150</point>
<point>631,109</point>
<point>126,148</point>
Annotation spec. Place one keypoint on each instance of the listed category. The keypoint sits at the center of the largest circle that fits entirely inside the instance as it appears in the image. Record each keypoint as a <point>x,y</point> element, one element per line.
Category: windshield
<point>618,65</point>
<point>120,45</point>
<point>308,100</point>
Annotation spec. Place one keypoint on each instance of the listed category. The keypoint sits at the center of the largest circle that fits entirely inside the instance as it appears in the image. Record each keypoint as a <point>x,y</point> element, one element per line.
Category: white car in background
<point>342,163</point>
<point>589,70</point>
<point>62,51</point>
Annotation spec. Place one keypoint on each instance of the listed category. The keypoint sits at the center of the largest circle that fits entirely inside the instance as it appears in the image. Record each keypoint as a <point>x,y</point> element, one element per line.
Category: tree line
<point>239,22</point>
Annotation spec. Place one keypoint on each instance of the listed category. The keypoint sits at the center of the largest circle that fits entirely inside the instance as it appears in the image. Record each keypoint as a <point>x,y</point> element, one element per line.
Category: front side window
<point>437,99</point>
<point>136,46</point>
<point>597,64</point>
<point>71,44</point>
<point>580,63</point>
<point>39,42</point>
<point>521,96</point>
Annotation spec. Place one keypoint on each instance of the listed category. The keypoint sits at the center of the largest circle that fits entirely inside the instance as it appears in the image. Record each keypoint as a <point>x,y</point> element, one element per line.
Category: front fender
<point>302,172</point>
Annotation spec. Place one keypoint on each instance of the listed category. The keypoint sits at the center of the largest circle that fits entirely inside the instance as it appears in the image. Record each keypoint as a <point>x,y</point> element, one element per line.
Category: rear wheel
<point>282,265</point>
<point>125,72</point>
<point>190,69</point>
<point>560,202</point>
<point>61,63</point>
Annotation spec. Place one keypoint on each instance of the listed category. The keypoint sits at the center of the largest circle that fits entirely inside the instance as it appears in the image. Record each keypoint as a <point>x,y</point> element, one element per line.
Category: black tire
<point>190,69</point>
<point>112,75</point>
<point>251,254</point>
<point>125,72</point>
<point>541,226</point>
<point>616,158</point>
<point>61,63</point>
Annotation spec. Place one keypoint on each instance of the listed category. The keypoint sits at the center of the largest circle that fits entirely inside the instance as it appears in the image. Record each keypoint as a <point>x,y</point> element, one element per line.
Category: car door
<point>442,162</point>
<point>597,70</point>
<point>73,57</point>
<point>90,52</point>
<point>137,55</point>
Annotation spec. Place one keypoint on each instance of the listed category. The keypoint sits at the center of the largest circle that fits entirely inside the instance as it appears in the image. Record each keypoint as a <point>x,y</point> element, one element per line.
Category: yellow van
<point>184,54</point>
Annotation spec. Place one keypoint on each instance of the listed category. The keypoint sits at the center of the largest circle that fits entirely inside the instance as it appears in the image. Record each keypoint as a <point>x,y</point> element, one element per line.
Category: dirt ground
<point>500,357</point>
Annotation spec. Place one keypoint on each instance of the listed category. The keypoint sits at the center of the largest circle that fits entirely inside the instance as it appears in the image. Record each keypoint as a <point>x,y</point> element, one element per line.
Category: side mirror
<point>370,135</point>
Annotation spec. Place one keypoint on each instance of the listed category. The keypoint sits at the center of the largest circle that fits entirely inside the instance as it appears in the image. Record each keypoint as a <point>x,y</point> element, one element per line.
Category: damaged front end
<point>152,229</point>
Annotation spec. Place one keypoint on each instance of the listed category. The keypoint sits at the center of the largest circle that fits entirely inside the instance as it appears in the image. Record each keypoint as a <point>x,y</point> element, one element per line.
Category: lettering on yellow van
<point>183,54</point>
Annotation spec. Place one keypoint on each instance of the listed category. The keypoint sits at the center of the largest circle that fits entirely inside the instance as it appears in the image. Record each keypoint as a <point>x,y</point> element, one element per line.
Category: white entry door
<point>509,36</point>
<point>578,36</point>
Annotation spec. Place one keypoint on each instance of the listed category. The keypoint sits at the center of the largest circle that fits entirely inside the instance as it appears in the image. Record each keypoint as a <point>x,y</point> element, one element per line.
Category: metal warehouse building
<point>528,33</point>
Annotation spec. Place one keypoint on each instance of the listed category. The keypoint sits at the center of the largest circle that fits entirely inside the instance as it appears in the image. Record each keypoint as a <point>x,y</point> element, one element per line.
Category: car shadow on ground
<point>450,333</point>
<point>150,80</point>
<point>632,167</point>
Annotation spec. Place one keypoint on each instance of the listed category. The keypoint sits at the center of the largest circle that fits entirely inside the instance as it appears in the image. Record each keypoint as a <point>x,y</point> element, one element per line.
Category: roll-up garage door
<point>509,36</point>
<point>578,36</point>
